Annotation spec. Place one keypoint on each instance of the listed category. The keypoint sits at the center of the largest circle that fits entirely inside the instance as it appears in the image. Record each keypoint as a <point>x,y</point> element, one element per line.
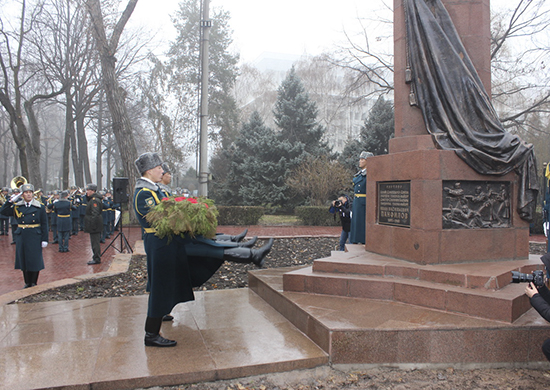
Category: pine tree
<point>296,116</point>
<point>259,163</point>
<point>379,127</point>
<point>374,137</point>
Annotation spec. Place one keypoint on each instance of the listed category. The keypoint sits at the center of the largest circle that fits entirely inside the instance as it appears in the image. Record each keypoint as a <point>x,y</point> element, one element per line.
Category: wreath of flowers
<point>184,216</point>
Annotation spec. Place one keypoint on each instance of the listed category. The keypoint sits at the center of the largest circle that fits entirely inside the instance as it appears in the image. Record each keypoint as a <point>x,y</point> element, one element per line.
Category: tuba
<point>17,182</point>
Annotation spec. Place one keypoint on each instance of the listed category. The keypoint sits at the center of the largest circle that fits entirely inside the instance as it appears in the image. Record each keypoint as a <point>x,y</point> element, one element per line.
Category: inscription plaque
<point>394,203</point>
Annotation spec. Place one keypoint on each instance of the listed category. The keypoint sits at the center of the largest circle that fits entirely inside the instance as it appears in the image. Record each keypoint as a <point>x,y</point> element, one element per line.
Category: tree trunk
<point>83,149</point>
<point>98,153</point>
<point>121,125</point>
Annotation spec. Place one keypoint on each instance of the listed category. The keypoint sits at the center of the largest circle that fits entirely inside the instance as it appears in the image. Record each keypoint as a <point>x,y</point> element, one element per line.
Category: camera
<point>537,277</point>
<point>337,203</point>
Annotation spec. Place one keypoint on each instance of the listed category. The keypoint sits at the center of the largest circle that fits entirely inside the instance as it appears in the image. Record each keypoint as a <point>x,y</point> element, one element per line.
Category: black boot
<point>250,243</point>
<point>227,237</point>
<point>33,277</point>
<point>152,334</point>
<point>27,279</point>
<point>247,255</point>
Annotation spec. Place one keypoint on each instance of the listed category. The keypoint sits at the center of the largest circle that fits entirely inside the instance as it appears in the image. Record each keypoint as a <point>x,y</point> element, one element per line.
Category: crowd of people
<point>36,219</point>
<point>65,212</point>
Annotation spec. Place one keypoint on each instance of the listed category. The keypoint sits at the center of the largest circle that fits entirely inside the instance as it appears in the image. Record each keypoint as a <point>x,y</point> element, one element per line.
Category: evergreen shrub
<point>316,216</point>
<point>239,215</point>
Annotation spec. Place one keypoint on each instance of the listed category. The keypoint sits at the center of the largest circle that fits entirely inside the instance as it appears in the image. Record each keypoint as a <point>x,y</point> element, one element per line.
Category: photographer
<point>342,207</point>
<point>540,300</point>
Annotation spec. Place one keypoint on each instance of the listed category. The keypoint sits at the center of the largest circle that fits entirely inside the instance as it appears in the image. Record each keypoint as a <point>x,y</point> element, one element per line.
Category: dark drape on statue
<point>456,108</point>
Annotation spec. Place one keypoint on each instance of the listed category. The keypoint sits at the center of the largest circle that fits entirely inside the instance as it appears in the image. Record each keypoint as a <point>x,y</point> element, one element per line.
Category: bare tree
<point>116,96</point>
<point>19,73</point>
<point>318,179</point>
<point>519,54</point>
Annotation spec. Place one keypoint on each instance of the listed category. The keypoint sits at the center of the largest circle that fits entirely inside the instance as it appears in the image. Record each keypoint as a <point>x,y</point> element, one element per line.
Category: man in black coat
<point>343,208</point>
<point>93,221</point>
<point>31,234</point>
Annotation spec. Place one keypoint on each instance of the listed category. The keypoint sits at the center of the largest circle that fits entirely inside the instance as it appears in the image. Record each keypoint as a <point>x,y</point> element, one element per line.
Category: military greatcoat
<point>359,208</point>
<point>172,274</point>
<point>31,231</point>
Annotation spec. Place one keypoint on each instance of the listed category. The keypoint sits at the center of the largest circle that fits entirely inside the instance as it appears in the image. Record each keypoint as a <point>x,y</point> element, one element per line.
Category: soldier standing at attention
<point>31,234</point>
<point>359,207</point>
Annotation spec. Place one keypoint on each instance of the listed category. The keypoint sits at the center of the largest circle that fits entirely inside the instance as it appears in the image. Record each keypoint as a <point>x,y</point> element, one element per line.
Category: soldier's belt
<point>150,230</point>
<point>360,195</point>
<point>64,216</point>
<point>29,226</point>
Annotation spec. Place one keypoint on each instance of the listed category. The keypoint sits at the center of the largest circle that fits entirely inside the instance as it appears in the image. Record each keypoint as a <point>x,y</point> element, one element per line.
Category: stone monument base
<point>427,171</point>
<point>364,308</point>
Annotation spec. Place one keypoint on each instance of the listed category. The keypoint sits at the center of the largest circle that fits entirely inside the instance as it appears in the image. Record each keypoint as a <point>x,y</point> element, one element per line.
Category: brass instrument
<point>17,182</point>
<point>48,202</point>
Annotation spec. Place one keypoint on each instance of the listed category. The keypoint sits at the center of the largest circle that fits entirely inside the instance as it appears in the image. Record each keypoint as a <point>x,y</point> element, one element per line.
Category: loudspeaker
<point>120,190</point>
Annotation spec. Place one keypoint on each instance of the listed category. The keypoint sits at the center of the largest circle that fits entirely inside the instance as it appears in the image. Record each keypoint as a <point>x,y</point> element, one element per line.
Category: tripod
<point>124,244</point>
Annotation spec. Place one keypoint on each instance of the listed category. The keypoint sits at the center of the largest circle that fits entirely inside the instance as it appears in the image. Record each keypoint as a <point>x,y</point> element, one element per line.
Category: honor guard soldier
<point>175,266</point>
<point>359,206</point>
<point>31,234</point>
<point>166,180</point>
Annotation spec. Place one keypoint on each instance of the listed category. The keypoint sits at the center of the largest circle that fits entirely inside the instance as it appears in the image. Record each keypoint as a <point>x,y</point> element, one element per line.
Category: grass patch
<point>279,220</point>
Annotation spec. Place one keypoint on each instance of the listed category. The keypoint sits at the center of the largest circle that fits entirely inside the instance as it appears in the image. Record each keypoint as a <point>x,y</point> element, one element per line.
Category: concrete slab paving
<point>98,343</point>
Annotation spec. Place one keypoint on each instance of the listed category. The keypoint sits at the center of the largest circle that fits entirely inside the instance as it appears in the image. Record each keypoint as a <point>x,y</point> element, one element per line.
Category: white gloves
<point>44,244</point>
<point>15,198</point>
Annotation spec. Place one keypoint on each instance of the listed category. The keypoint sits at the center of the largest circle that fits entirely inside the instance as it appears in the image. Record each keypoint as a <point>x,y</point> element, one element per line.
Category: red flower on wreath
<point>189,199</point>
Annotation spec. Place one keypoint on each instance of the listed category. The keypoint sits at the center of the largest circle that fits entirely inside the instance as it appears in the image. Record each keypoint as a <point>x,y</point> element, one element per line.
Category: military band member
<point>13,220</point>
<point>82,211</point>
<point>31,234</point>
<point>4,220</point>
<point>74,198</point>
<point>53,218</point>
<point>62,209</point>
<point>109,216</point>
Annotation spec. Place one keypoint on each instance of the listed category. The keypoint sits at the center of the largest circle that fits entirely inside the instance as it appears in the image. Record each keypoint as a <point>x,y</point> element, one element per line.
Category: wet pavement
<point>60,266</point>
<point>98,343</point>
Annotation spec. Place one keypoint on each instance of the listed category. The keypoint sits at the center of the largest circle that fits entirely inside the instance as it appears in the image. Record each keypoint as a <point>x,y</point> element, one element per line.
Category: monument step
<point>375,331</point>
<point>492,275</point>
<point>506,304</point>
